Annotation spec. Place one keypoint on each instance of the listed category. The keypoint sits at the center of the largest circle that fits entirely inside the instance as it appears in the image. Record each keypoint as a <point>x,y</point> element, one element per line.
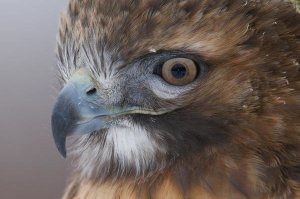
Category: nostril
<point>91,91</point>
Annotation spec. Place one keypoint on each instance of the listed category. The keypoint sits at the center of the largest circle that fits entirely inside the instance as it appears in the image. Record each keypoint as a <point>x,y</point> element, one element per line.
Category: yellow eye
<point>179,71</point>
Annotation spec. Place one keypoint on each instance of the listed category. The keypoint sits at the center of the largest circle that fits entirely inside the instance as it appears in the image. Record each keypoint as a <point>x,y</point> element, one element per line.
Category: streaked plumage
<point>234,132</point>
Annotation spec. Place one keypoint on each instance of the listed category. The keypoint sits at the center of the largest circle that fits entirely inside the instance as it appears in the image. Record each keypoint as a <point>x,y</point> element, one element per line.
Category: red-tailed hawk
<point>180,99</point>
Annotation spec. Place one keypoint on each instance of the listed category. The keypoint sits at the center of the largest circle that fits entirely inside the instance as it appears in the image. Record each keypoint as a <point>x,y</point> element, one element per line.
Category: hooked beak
<point>79,110</point>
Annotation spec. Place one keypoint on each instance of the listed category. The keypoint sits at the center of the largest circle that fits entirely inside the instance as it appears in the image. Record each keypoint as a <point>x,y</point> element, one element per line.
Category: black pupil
<point>178,71</point>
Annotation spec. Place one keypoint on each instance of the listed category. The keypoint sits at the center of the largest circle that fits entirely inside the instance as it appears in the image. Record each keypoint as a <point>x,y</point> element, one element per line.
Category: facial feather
<point>129,150</point>
<point>239,119</point>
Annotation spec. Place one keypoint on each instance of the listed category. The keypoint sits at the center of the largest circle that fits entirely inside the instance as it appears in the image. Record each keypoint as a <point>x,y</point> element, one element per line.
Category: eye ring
<point>179,71</point>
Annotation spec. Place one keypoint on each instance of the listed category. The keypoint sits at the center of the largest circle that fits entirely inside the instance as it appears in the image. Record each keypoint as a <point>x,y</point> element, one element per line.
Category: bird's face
<point>132,117</point>
<point>145,88</point>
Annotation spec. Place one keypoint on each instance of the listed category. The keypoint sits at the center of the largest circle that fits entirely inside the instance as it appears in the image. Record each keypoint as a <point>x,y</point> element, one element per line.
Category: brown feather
<point>257,42</point>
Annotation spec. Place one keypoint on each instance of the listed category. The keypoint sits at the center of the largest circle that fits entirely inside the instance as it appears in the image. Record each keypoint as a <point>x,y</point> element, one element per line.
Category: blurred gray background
<point>30,166</point>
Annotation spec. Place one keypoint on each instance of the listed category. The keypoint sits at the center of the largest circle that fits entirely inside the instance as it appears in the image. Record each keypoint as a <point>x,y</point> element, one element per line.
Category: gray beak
<point>78,110</point>
<point>81,109</point>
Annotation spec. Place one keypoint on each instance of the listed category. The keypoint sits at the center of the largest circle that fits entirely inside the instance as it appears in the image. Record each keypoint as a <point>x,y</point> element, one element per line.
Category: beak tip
<point>59,138</point>
<point>63,153</point>
<point>60,145</point>
<point>59,128</point>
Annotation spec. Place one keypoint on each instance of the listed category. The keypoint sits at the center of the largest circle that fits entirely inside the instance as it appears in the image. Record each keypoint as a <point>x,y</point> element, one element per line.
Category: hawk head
<point>152,83</point>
